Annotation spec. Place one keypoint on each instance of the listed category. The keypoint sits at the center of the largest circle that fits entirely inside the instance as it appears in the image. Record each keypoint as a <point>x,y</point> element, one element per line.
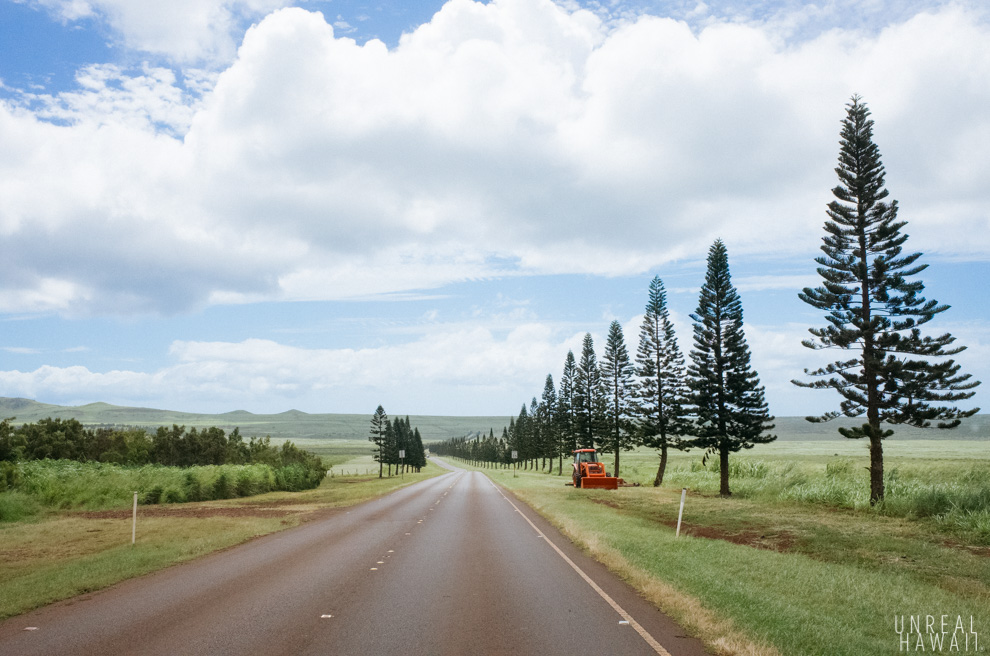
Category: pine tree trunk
<point>876,467</point>
<point>872,388</point>
<point>658,481</point>
<point>723,465</point>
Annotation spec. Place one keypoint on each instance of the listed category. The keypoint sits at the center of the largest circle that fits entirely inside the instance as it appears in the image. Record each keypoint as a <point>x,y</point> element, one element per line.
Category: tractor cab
<point>585,455</point>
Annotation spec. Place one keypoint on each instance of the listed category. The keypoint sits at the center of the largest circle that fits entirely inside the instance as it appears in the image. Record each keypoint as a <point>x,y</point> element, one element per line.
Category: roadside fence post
<point>134,521</point>
<point>681,512</point>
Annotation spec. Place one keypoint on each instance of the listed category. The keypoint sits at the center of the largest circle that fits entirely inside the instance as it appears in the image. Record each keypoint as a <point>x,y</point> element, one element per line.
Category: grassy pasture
<point>795,562</point>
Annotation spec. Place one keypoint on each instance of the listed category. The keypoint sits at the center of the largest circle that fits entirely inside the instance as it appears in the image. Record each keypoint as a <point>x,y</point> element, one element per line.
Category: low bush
<point>221,487</point>
<point>153,496</point>
<point>9,476</point>
<point>15,506</point>
<point>172,495</point>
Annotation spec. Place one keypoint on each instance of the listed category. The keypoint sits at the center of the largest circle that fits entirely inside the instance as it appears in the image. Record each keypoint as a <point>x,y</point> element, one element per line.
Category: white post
<point>681,513</point>
<point>134,522</point>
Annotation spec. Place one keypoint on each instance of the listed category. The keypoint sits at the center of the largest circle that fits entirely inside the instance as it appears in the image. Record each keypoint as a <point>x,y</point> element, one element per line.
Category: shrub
<point>194,489</point>
<point>152,496</point>
<point>15,506</point>
<point>246,485</point>
<point>10,476</point>
<point>221,487</point>
<point>173,495</point>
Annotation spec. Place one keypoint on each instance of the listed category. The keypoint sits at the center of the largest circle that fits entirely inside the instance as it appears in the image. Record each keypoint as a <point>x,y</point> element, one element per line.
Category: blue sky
<point>209,205</point>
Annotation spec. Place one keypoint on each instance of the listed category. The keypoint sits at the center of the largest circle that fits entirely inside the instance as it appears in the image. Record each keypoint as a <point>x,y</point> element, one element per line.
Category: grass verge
<point>68,553</point>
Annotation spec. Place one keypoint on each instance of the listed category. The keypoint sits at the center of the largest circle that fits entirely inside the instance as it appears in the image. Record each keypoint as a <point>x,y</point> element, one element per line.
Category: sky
<point>210,205</point>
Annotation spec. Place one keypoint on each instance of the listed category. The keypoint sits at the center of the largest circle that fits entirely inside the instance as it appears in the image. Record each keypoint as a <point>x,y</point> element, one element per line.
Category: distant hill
<point>294,424</point>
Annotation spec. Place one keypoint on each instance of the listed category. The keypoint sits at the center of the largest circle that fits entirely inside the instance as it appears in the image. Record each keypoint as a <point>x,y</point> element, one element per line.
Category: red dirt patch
<point>976,550</point>
<point>779,541</point>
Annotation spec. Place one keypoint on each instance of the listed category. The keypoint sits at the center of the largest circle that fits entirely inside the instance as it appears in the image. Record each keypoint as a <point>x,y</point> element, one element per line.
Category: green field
<point>795,562</point>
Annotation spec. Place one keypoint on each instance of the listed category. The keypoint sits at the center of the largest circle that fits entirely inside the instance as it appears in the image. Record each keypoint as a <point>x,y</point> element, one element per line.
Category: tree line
<point>653,399</point>
<point>58,439</point>
<point>889,372</point>
<point>397,444</point>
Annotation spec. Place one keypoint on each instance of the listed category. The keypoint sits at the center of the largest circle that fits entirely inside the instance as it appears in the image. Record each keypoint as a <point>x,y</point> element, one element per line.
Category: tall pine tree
<point>565,402</point>
<point>726,397</point>
<point>378,422</point>
<point>535,436</point>
<point>418,459</point>
<point>617,373</point>
<point>549,424</point>
<point>588,397</point>
<point>660,389</point>
<point>875,309</point>
<point>390,450</point>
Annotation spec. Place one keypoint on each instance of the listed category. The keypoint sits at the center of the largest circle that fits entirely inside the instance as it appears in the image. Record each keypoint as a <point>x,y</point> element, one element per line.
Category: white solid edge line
<point>650,640</point>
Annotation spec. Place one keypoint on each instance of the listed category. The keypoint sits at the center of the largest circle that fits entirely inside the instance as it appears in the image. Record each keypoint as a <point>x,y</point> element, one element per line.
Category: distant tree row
<point>396,443</point>
<point>59,439</point>
<point>716,403</point>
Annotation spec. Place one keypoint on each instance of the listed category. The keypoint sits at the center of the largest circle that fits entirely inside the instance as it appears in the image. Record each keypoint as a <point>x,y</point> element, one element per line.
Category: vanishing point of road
<point>453,565</point>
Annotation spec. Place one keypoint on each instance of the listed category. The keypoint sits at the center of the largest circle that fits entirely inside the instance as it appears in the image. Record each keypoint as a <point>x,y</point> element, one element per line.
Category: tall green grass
<point>35,485</point>
<point>956,497</point>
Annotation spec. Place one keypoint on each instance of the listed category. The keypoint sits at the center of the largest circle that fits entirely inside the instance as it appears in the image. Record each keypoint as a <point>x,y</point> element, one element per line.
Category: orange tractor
<point>589,473</point>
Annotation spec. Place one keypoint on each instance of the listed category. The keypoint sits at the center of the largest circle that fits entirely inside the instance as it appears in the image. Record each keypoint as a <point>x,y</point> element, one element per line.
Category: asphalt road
<point>452,565</point>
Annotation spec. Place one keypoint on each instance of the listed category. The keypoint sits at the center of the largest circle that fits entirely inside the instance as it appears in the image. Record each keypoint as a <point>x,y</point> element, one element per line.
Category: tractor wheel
<point>577,481</point>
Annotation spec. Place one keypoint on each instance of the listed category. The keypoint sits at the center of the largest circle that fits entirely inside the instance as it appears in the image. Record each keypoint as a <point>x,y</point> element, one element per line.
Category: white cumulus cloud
<point>181,30</point>
<point>510,138</point>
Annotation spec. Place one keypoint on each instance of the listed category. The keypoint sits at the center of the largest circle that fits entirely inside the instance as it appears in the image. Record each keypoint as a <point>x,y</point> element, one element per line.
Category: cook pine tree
<point>726,398</point>
<point>565,407</point>
<point>891,373</point>
<point>588,397</point>
<point>549,422</point>
<point>379,421</point>
<point>616,374</point>
<point>390,450</point>
<point>660,391</point>
<point>536,434</point>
